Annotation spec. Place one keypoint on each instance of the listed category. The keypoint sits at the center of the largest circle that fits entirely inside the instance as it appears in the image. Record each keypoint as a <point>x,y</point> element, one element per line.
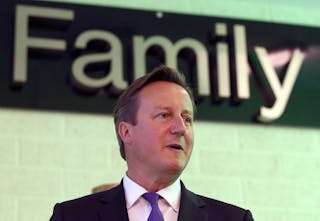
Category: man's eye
<point>188,120</point>
<point>163,115</point>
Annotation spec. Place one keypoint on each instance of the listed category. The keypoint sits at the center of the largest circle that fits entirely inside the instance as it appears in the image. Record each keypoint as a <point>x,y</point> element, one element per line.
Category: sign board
<point>70,57</point>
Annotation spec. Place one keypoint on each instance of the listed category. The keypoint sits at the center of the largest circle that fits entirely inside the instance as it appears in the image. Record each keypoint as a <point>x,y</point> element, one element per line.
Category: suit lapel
<point>191,206</point>
<point>113,205</point>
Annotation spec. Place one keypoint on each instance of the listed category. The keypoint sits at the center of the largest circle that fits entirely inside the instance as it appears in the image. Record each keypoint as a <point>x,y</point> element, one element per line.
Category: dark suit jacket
<point>111,206</point>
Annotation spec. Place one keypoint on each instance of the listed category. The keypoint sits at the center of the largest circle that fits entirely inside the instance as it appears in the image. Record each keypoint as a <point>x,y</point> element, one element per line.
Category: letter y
<point>281,92</point>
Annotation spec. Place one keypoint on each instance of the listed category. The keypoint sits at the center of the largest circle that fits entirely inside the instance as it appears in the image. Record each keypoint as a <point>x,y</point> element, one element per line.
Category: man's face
<point>162,139</point>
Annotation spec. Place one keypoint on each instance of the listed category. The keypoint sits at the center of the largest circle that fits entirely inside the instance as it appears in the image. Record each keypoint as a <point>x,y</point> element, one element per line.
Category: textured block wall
<point>51,157</point>
<point>48,157</point>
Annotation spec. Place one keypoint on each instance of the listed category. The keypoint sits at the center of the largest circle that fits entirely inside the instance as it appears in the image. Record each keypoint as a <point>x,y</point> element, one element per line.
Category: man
<point>154,125</point>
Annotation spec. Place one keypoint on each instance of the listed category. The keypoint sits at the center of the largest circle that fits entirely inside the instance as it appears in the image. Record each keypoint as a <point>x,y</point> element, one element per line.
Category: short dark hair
<point>128,104</point>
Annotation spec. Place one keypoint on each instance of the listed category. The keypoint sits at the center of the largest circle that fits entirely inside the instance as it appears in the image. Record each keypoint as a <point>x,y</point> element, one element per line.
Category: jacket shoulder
<point>83,208</point>
<point>220,210</point>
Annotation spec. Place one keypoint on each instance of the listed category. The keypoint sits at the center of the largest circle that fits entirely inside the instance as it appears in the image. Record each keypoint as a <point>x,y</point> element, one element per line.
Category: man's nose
<point>178,126</point>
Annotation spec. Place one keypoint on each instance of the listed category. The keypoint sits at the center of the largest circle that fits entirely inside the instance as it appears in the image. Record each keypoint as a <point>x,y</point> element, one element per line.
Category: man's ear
<point>125,132</point>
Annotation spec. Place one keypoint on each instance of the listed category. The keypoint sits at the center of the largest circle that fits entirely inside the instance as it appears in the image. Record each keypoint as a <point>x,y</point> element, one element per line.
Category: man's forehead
<point>163,91</point>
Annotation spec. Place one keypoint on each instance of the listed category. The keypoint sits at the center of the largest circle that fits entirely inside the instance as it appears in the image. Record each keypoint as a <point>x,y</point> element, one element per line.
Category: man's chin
<point>176,168</point>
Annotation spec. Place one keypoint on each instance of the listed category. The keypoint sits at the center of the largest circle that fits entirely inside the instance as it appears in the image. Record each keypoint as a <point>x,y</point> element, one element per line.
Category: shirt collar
<point>133,192</point>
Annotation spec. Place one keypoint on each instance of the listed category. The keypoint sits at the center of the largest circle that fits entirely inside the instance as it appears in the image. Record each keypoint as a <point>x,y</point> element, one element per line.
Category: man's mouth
<point>175,146</point>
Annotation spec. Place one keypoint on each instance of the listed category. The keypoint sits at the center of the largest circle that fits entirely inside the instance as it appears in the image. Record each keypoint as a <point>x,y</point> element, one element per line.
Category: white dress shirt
<point>139,209</point>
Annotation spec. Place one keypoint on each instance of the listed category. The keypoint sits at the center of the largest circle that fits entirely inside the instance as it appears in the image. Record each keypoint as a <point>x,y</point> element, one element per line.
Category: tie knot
<point>151,197</point>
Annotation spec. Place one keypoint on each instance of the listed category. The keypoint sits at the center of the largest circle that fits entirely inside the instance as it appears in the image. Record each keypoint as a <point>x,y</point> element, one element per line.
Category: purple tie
<point>155,214</point>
